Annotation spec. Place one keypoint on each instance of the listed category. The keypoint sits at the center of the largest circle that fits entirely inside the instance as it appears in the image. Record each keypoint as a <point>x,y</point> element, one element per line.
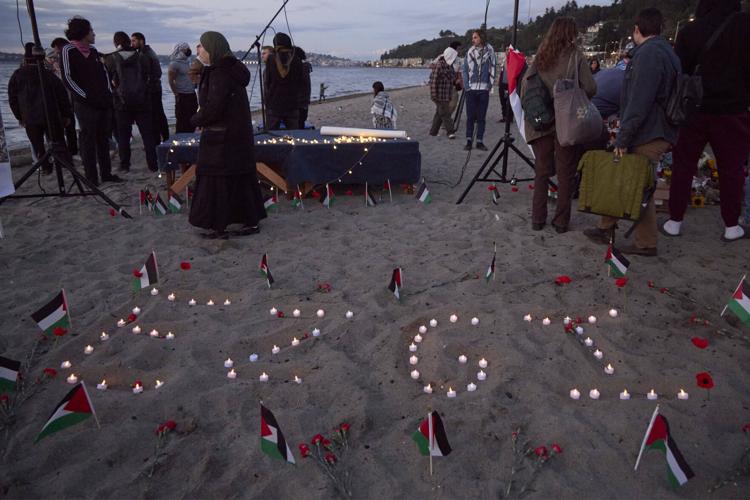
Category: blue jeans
<point>476,111</point>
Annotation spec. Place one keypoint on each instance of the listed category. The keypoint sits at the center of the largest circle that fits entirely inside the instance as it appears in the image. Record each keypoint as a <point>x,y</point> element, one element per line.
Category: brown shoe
<point>597,235</point>
<point>634,250</point>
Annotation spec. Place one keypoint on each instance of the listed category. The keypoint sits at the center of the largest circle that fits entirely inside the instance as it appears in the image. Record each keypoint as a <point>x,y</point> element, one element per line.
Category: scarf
<point>83,47</point>
<point>179,52</point>
<point>216,46</point>
<point>382,106</point>
<point>288,54</point>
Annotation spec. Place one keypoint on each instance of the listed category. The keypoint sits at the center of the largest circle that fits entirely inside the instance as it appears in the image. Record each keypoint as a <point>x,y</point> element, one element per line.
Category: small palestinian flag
<point>369,198</point>
<point>495,194</point>
<point>74,408</point>
<point>490,270</point>
<point>145,198</point>
<point>396,283</point>
<point>175,203</point>
<point>431,438</point>
<point>617,262</point>
<point>53,315</point>
<point>159,206</point>
<point>271,202</point>
<point>297,200</point>
<point>8,374</point>
<point>328,197</point>
<point>740,302</point>
<point>265,271</point>
<point>423,194</point>
<point>149,273</point>
<point>658,438</point>
<point>272,441</point>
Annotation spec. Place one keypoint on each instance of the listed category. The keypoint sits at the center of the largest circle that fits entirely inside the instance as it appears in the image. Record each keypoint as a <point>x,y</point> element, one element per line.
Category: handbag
<point>614,187</point>
<point>577,121</point>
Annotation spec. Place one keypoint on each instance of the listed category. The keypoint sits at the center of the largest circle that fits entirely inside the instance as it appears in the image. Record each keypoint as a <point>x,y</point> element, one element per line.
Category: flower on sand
<point>170,424</point>
<point>137,273</point>
<point>317,439</point>
<point>50,372</point>
<point>746,428</point>
<point>330,458</point>
<point>304,450</point>
<point>699,342</point>
<point>514,189</point>
<point>326,443</point>
<point>136,383</point>
<point>563,280</point>
<point>280,314</point>
<point>59,331</point>
<point>185,266</point>
<point>704,380</point>
<point>541,451</point>
<point>621,282</point>
<point>345,427</point>
<point>132,317</point>
<point>556,448</point>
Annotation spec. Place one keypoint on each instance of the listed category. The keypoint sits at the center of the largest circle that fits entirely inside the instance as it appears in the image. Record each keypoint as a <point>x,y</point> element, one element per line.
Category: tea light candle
<point>169,336</point>
<point>609,369</point>
<point>422,329</point>
<point>227,302</point>
<point>171,297</point>
<point>481,375</point>
<point>451,393</point>
<point>121,323</point>
<point>275,349</point>
<point>592,319</point>
<point>273,311</point>
<point>72,379</point>
<point>321,313</point>
<point>253,358</point>
<point>624,395</point>
<point>575,394</point>
<point>462,359</point>
<point>427,389</point>
<point>316,332</point>
<point>474,321</point>
<point>159,383</point>
<point>154,291</point>
<point>613,313</point>
<point>296,313</point>
<point>598,354</point>
<point>453,318</point>
<point>433,323</point>
<point>295,341</point>
<point>297,380</point>
<point>414,374</point>
<point>154,333</point>
<point>137,389</point>
<point>349,315</point>
<point>682,395</point>
<point>102,386</point>
<point>104,337</point>
<point>546,322</point>
<point>88,349</point>
<point>137,330</point>
<point>471,387</point>
<point>417,338</point>
<point>192,302</point>
<point>579,330</point>
<point>588,342</point>
<point>412,347</point>
<point>413,360</point>
<point>136,310</point>
<point>527,318</point>
<point>482,363</point>
<point>65,365</point>
<point>232,374</point>
<point>228,363</point>
<point>210,302</point>
<point>594,394</point>
<point>652,395</point>
<point>567,320</point>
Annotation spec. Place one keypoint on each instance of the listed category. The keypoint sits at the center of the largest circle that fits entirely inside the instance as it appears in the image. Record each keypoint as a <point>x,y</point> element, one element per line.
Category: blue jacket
<point>649,79</point>
<point>479,68</point>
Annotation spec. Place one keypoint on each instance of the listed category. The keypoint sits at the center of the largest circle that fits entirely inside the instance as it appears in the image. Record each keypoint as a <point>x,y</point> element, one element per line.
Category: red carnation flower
<point>137,273</point>
<point>59,331</point>
<point>317,438</point>
<point>552,189</point>
<point>492,188</point>
<point>304,450</point>
<point>531,186</point>
<point>651,284</point>
<point>170,424</point>
<point>112,212</point>
<point>326,443</point>
<point>349,192</point>
<point>185,266</point>
<point>704,380</point>
<point>514,189</point>
<point>137,382</point>
<point>563,280</point>
<point>556,448</point>
<point>280,314</point>
<point>330,458</point>
<point>569,327</point>
<point>621,282</point>
<point>50,372</point>
<point>746,428</point>
<point>699,342</point>
<point>160,430</point>
<point>345,427</point>
<point>541,451</point>
<point>664,290</point>
<point>579,320</point>
<point>4,398</point>
<point>315,194</point>
<point>132,317</point>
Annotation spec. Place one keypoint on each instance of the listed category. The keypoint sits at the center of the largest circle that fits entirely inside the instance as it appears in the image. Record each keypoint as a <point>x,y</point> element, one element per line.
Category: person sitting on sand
<point>384,114</point>
<point>226,183</point>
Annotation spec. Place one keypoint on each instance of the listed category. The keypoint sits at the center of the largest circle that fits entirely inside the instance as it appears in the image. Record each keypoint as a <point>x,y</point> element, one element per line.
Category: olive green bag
<point>617,188</point>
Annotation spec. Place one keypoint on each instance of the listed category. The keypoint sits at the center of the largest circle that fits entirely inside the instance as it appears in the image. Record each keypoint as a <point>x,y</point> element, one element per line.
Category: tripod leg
<point>93,189</point>
<point>479,172</point>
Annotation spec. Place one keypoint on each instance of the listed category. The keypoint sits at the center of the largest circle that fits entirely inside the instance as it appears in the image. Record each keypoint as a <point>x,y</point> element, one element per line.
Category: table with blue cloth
<point>306,157</point>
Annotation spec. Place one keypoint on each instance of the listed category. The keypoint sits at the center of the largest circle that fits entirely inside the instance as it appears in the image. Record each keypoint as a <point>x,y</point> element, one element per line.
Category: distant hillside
<point>617,22</point>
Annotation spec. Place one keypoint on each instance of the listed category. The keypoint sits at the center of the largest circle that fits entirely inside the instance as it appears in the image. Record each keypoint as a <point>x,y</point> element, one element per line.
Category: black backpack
<point>131,84</point>
<point>537,103</point>
<point>687,91</point>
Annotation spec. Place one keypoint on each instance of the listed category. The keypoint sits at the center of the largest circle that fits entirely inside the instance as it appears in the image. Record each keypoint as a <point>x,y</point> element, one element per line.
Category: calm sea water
<point>340,81</point>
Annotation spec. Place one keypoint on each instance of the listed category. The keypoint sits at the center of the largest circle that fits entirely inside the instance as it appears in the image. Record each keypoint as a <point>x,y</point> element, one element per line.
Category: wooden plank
<point>272,176</point>
<point>181,183</point>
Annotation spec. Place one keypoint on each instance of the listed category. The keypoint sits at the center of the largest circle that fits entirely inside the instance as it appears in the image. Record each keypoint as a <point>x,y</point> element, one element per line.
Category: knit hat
<point>216,45</point>
<point>180,48</point>
<point>282,40</point>
<point>27,51</point>
<point>450,55</point>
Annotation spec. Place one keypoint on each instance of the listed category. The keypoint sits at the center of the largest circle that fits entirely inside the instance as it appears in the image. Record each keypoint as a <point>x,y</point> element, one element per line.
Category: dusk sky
<point>357,29</point>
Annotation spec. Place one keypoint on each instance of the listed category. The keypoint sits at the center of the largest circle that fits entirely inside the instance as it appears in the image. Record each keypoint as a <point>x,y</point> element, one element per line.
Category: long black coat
<point>226,146</point>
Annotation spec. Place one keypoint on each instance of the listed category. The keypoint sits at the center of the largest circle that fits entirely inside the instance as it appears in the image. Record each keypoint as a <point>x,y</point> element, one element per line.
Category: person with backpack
<point>25,99</point>
<point>160,126</point>
<point>442,91</point>
<point>478,79</point>
<point>644,128</point>
<point>715,47</point>
<point>556,59</point>
<point>130,71</point>
<point>86,78</point>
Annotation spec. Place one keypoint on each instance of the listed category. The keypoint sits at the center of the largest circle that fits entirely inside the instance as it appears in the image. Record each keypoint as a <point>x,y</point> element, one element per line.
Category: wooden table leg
<point>272,176</point>
<point>181,183</point>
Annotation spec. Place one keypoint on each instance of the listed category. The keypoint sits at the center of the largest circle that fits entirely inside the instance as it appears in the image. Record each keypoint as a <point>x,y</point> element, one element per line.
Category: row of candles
<point>103,386</point>
<point>625,395</point>
<point>613,313</point>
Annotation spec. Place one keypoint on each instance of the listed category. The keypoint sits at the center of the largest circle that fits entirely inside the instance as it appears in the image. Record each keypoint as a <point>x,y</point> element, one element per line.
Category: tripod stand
<point>502,148</point>
<point>56,151</point>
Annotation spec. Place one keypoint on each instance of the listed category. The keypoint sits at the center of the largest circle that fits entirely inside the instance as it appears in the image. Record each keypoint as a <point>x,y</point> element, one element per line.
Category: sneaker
<point>634,250</point>
<point>112,178</point>
<point>451,136</point>
<point>481,146</point>
<point>671,228</point>
<point>468,146</point>
<point>734,233</point>
<point>597,235</point>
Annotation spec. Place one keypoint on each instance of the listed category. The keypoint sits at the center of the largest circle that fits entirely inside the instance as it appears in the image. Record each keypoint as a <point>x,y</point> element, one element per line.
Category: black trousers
<point>143,119</point>
<point>290,119</point>
<point>159,125</point>
<point>71,138</point>
<point>185,106</point>
<point>93,140</point>
<point>303,112</point>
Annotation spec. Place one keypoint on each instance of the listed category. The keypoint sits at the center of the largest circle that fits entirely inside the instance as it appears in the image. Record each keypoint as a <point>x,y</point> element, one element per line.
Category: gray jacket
<point>649,79</point>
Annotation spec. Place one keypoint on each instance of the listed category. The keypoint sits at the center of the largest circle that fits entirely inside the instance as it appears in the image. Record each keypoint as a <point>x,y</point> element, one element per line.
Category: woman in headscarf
<point>226,186</point>
<point>283,84</point>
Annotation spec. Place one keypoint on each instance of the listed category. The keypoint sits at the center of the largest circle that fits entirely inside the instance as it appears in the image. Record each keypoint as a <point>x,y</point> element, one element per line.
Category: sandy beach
<point>358,370</point>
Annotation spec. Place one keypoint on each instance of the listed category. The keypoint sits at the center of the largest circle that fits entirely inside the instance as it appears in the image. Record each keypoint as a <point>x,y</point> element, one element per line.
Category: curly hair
<point>561,36</point>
